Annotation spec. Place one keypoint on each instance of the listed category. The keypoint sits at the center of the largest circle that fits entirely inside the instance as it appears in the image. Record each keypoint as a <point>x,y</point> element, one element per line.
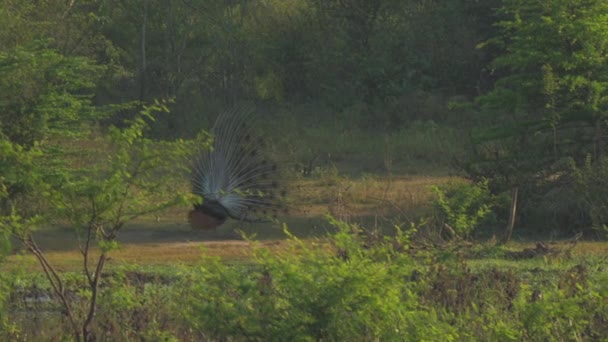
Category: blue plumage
<point>236,177</point>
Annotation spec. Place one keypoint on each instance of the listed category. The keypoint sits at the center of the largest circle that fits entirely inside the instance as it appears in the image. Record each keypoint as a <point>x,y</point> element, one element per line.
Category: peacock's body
<point>235,178</point>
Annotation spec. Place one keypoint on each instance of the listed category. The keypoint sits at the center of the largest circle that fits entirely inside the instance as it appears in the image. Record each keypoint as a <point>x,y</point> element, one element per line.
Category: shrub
<point>337,291</point>
<point>7,330</point>
<point>5,327</point>
<point>139,305</point>
<point>463,206</point>
<point>563,314</point>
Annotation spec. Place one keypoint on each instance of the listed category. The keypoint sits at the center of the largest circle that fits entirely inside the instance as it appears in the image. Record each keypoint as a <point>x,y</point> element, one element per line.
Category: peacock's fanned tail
<point>236,178</point>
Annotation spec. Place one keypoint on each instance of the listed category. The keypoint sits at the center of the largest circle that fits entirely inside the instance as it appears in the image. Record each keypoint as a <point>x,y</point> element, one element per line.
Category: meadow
<point>360,256</point>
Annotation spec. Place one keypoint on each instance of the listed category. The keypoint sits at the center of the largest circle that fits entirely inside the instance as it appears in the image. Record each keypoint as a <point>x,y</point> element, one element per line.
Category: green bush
<point>342,288</point>
<point>139,305</point>
<point>463,206</point>
<point>572,309</point>
<point>7,330</point>
<point>345,288</point>
<point>342,293</point>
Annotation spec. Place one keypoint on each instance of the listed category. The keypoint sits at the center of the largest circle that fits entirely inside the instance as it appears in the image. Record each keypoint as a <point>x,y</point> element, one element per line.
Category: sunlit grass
<point>166,239</point>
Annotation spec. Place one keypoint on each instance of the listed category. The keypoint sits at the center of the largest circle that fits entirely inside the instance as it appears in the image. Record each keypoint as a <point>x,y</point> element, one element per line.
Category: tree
<point>48,176</point>
<point>42,93</point>
<point>551,99</point>
<point>130,177</point>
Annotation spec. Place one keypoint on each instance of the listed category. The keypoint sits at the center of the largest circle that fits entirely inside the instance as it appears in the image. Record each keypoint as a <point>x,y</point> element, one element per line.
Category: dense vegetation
<point>348,286</point>
<point>102,103</point>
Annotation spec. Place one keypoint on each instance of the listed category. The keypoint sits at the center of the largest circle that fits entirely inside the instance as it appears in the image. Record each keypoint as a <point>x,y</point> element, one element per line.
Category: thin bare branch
<point>55,281</point>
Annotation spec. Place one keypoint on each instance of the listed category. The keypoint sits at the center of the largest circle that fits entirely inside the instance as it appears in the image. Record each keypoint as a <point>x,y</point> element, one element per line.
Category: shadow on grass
<point>61,239</point>
<point>151,232</point>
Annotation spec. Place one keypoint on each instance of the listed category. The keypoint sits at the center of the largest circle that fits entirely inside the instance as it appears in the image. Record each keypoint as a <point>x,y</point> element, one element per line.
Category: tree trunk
<point>512,214</point>
<point>142,71</point>
<point>597,141</point>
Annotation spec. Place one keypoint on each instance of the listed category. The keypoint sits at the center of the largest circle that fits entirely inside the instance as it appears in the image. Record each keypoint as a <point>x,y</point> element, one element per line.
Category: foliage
<point>334,289</point>
<point>43,93</point>
<point>7,328</point>
<point>464,206</point>
<point>554,55</point>
<point>21,181</point>
<point>592,190</point>
<point>45,98</point>
<point>135,174</point>
<point>134,303</point>
<point>341,286</point>
<point>97,199</point>
<point>311,292</point>
<point>211,55</point>
<point>128,186</point>
<point>572,309</point>
<point>5,247</point>
<point>497,304</point>
<point>548,103</point>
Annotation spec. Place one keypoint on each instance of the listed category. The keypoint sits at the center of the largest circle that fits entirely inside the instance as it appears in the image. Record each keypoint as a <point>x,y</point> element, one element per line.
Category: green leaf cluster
<point>464,206</point>
<point>343,291</point>
<point>44,93</point>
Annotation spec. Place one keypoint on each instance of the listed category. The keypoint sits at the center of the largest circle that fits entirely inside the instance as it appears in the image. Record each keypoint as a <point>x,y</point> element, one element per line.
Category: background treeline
<point>510,91</point>
<point>385,55</point>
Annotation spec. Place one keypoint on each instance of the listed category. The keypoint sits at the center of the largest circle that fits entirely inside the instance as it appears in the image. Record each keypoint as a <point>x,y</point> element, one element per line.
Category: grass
<point>167,238</point>
<point>358,177</point>
<point>369,200</point>
<point>348,141</point>
<point>352,181</point>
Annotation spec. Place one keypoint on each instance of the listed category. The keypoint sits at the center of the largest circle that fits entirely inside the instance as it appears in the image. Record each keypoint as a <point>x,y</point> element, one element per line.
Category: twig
<point>54,279</point>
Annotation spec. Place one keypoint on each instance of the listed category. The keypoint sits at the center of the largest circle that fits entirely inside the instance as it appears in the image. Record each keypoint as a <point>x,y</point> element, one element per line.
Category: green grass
<point>167,238</point>
<point>370,201</point>
<point>347,141</point>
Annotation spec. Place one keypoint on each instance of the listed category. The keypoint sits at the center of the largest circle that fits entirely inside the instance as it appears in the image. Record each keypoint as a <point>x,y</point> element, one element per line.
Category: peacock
<point>236,177</point>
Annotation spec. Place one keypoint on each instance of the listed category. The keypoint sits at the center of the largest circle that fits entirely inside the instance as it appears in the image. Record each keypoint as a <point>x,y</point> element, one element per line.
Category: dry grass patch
<point>364,196</point>
<point>150,254</point>
<point>166,238</point>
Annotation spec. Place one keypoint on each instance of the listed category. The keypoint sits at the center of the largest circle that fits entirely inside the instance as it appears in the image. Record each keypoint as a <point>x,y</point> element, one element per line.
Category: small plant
<point>6,328</point>
<point>463,206</point>
<point>135,304</point>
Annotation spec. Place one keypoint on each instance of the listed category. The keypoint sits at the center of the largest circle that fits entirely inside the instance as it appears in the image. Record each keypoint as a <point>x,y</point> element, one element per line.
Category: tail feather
<point>237,173</point>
